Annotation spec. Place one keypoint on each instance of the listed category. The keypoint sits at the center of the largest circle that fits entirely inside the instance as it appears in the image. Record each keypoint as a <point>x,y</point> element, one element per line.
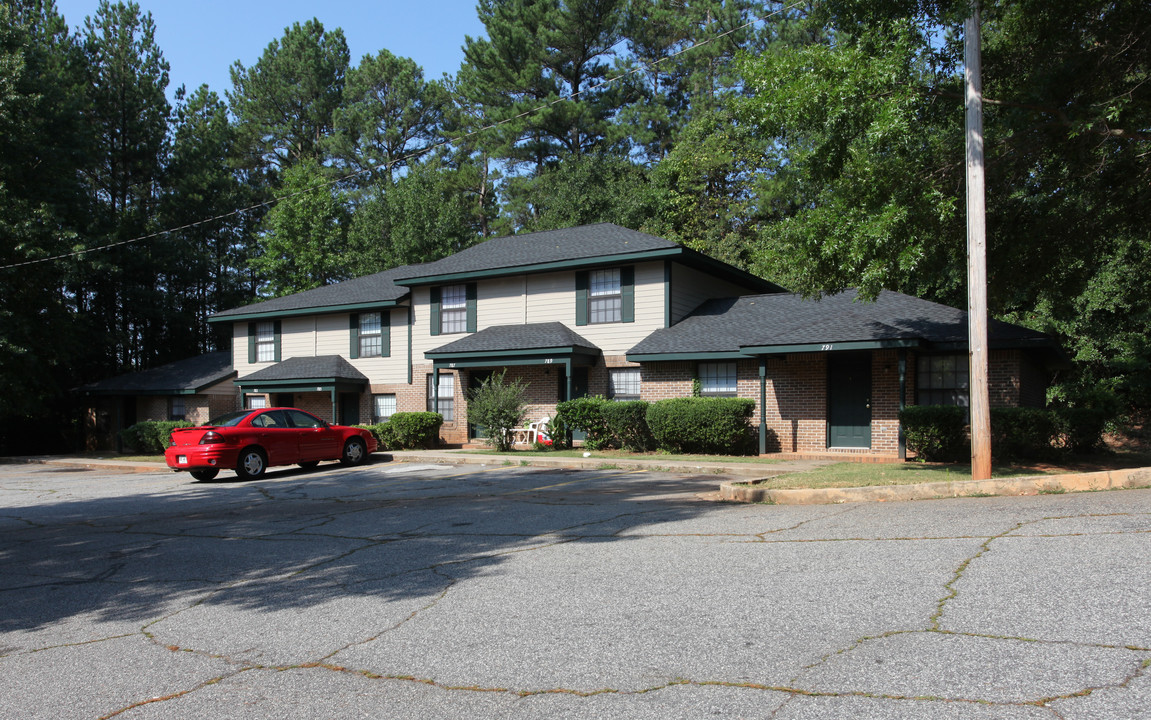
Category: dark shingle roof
<point>785,319</point>
<point>511,338</point>
<point>184,376</point>
<point>377,288</point>
<point>601,240</point>
<point>307,368</point>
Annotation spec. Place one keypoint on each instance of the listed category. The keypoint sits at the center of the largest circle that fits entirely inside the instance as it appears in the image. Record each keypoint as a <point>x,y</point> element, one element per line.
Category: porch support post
<point>762,405</point>
<point>568,393</point>
<point>435,387</point>
<point>902,401</point>
<point>335,406</point>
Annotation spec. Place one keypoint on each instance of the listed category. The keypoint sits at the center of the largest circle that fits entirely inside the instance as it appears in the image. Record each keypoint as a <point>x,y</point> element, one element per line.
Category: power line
<point>411,155</point>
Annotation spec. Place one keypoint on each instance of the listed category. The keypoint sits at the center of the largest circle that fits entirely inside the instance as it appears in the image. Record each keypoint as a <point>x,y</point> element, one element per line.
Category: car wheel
<point>355,452</point>
<point>310,464</point>
<point>205,475</point>
<point>252,463</point>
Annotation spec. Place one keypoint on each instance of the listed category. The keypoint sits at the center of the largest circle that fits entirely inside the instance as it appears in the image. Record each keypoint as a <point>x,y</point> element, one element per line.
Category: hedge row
<point>940,434</point>
<point>689,425</point>
<point>407,430</point>
<point>150,437</point>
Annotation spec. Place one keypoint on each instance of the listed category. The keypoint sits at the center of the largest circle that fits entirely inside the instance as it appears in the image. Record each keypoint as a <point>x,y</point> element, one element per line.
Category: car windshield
<point>229,420</point>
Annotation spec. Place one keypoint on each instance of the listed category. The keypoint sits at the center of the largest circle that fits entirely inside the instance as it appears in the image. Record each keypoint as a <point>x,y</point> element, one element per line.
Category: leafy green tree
<point>204,261</point>
<point>868,178</point>
<point>285,104</point>
<point>302,241</point>
<point>500,407</point>
<point>389,115</point>
<point>43,351</point>
<point>127,113</point>
<point>583,190</point>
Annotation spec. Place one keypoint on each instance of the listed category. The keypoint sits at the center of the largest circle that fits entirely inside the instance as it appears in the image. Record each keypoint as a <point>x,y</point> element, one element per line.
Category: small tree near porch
<point>498,406</point>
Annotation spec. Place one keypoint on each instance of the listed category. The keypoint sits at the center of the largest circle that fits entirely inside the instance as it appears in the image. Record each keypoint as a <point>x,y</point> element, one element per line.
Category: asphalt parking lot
<point>432,591</point>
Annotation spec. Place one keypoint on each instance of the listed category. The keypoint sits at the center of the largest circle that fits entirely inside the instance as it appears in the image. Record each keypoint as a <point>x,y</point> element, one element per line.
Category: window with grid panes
<point>447,406</point>
<point>265,341</point>
<point>383,407</point>
<point>605,298</point>
<point>453,309</point>
<point>717,379</point>
<point>624,384</point>
<point>942,380</point>
<point>370,335</point>
<point>177,410</point>
<point>257,401</point>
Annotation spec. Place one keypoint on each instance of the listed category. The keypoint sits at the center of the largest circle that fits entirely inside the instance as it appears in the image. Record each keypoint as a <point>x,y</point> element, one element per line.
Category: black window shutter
<point>252,343</point>
<point>276,330</point>
<point>471,311</point>
<point>435,311</point>
<point>581,278</point>
<point>354,335</point>
<point>627,293</point>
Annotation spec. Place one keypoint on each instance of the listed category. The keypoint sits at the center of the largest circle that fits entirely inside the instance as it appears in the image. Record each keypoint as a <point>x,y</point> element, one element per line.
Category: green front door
<point>349,409</point>
<point>849,400</point>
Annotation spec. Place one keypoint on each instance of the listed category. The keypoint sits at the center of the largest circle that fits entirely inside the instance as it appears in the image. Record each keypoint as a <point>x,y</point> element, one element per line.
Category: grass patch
<point>623,455</point>
<point>850,474</point>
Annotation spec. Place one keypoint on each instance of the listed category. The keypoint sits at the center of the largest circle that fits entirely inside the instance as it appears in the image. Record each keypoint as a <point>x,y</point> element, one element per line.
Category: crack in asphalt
<point>308,530</point>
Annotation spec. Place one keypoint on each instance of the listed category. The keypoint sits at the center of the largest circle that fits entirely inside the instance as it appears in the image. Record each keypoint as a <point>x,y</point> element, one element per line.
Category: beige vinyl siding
<point>618,338</point>
<point>298,337</point>
<point>391,369</point>
<point>500,302</point>
<point>690,288</point>
<point>240,350</point>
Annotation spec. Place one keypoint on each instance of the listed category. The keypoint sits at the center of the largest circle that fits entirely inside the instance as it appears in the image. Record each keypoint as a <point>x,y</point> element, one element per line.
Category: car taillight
<point>211,438</point>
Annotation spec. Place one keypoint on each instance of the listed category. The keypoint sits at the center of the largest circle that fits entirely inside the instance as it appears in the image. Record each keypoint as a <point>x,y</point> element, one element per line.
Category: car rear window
<point>229,420</point>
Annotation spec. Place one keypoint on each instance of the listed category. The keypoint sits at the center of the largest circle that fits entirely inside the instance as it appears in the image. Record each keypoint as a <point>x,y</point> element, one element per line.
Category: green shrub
<point>935,433</point>
<point>408,430</point>
<point>376,430</point>
<point>627,422</point>
<point>1021,433</point>
<point>586,414</point>
<point>150,437</point>
<point>703,425</point>
<point>499,407</point>
<point>1080,429</point>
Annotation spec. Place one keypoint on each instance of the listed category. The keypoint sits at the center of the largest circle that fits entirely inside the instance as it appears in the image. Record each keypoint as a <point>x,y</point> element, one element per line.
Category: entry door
<point>849,400</point>
<point>579,389</point>
<point>349,409</point>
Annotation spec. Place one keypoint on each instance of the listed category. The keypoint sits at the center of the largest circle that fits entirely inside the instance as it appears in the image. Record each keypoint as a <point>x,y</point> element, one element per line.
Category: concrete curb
<point>1031,485</point>
<point>750,470</point>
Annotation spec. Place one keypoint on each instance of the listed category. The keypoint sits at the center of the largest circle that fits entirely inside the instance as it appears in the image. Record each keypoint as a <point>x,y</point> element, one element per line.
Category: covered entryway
<point>849,400</point>
<point>332,375</point>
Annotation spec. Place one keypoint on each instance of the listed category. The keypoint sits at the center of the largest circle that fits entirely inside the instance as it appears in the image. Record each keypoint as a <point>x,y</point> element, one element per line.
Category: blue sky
<point>202,38</point>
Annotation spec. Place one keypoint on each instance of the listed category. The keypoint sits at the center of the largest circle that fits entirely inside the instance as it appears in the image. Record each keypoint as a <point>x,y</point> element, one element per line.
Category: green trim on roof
<point>665,357</point>
<point>324,310</point>
<point>604,260</point>
<point>511,355</point>
<point>831,346</point>
<point>300,384</point>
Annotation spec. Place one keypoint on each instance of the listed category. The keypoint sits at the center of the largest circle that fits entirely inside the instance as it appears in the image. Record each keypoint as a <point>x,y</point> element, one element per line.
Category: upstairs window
<point>370,335</point>
<point>453,309</point>
<point>717,379</point>
<point>605,298</point>
<point>942,380</point>
<point>265,341</point>
<point>624,384</point>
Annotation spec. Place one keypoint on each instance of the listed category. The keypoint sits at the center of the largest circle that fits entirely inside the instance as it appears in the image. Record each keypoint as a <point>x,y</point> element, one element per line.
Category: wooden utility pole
<point>976,254</point>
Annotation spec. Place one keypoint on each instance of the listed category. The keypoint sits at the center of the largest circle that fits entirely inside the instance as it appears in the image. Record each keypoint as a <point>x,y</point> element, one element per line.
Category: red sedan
<point>250,441</point>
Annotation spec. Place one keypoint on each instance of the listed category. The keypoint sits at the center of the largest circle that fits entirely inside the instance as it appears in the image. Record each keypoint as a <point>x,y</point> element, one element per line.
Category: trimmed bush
<point>586,414</point>
<point>408,430</point>
<point>627,422</point>
<point>703,425</point>
<point>1080,429</point>
<point>1020,433</point>
<point>150,437</point>
<point>499,407</point>
<point>936,433</point>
